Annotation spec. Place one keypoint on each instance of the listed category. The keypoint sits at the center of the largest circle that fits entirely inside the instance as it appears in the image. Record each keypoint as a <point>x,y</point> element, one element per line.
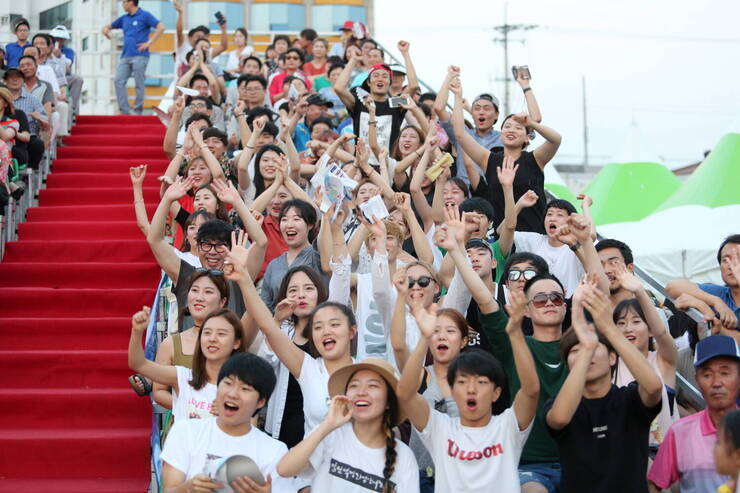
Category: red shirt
<point>310,69</point>
<point>276,245</point>
<point>276,86</point>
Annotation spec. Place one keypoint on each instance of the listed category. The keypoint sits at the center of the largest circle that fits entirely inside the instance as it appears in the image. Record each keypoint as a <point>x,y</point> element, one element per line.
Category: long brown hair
<point>200,378</point>
<point>395,151</point>
<point>321,292</point>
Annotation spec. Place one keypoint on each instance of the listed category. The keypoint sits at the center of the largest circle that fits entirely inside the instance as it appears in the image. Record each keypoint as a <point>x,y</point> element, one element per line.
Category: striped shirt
<point>28,104</point>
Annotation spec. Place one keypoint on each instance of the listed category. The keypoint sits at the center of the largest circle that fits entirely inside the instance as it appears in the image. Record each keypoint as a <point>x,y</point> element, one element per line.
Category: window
<point>203,13</point>
<point>328,18</point>
<point>277,17</point>
<point>61,14</point>
<point>164,11</point>
<point>160,65</point>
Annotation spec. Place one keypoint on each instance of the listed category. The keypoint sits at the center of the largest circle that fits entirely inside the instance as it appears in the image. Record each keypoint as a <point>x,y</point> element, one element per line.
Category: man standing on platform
<point>136,24</point>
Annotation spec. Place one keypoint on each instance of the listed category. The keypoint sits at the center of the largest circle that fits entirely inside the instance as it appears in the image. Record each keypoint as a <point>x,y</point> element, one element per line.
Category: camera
<point>522,69</point>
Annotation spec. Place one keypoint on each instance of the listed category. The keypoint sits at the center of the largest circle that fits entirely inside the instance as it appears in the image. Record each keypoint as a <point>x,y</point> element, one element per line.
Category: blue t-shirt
<point>722,292</point>
<point>13,52</point>
<point>301,136</point>
<point>136,29</point>
<point>69,53</point>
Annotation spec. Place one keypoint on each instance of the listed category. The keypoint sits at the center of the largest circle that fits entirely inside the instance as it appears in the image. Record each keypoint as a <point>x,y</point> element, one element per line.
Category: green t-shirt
<point>320,83</point>
<point>551,370</point>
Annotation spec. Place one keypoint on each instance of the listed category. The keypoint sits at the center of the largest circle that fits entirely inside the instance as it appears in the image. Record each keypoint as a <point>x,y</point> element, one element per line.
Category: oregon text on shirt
<point>491,451</point>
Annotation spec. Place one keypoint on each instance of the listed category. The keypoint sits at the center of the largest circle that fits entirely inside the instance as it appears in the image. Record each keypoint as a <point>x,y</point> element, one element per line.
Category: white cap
<point>59,31</point>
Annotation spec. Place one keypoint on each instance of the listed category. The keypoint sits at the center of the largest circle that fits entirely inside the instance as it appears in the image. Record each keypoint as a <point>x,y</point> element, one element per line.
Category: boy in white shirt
<point>194,447</point>
<point>476,451</point>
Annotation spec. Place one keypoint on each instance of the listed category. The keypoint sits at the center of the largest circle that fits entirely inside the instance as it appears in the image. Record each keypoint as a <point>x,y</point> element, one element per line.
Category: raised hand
<point>179,104</point>
<point>507,171</point>
<point>517,305</point>
<point>402,201</point>
<point>226,192</point>
<point>284,309</point>
<point>258,217</point>
<point>376,228</point>
<point>523,83</point>
<point>179,188</point>
<point>383,154</point>
<point>522,119</point>
<point>137,174</point>
<point>140,320</point>
<point>626,278</point>
<point>587,200</point>
<point>454,223</point>
<point>456,87</point>
<point>580,227</point>
<point>597,302</point>
<point>564,235</point>
<point>403,46</point>
<point>239,108</point>
<point>528,199</point>
<point>236,260</point>
<point>453,72</point>
<point>400,281</point>
<point>426,319</point>
<point>339,412</point>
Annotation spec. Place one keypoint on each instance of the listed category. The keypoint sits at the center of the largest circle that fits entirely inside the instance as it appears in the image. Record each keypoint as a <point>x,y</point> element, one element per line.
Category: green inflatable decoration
<point>715,182</point>
<point>625,192</point>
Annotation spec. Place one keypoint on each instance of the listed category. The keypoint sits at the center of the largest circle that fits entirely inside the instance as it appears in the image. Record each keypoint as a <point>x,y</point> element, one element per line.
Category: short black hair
<point>623,248</point>
<point>428,95</point>
<point>539,264</point>
<point>322,119</point>
<point>561,204</point>
<point>543,277</point>
<point>297,52</point>
<point>215,230</point>
<point>334,66</point>
<point>28,56</point>
<point>252,370</point>
<point>215,132</point>
<point>21,22</point>
<point>730,428</point>
<point>200,28</point>
<point>197,116</point>
<point>247,78</point>
<point>196,77</point>
<point>280,37</point>
<point>306,211</point>
<point>479,205</point>
<point>252,57</point>
<point>209,103</point>
<point>43,36</point>
<point>259,111</point>
<point>570,339</point>
<point>309,34</point>
<point>271,129</point>
<point>477,362</point>
<point>368,40</point>
<point>735,239</point>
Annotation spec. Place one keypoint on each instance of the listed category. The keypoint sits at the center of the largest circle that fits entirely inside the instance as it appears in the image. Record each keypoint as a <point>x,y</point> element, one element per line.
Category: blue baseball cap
<point>715,346</point>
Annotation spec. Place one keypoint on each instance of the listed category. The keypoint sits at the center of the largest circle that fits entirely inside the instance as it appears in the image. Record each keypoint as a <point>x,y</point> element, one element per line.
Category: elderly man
<point>60,35</point>
<point>34,110</point>
<point>687,452</point>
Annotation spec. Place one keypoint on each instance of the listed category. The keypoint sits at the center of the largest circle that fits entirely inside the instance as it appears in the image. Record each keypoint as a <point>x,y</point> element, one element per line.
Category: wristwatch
<point>575,246</point>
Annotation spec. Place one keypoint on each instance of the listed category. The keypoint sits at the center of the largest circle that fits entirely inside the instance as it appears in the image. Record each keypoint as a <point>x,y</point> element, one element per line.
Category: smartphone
<point>523,69</point>
<point>220,19</point>
<point>293,93</point>
<point>397,101</point>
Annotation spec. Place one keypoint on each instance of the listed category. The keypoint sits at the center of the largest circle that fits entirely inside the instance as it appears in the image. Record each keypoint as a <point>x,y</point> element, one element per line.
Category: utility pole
<point>585,124</point>
<point>505,29</point>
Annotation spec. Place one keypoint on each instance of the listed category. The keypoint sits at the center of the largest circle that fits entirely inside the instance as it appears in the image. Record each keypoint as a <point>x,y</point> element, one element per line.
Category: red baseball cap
<point>347,26</point>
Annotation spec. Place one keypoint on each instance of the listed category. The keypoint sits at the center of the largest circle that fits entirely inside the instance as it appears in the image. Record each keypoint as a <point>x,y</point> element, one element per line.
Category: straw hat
<point>340,378</point>
<point>5,94</point>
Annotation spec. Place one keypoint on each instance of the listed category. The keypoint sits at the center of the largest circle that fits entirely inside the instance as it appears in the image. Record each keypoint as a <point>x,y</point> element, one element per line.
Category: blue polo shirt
<point>13,52</point>
<point>722,292</point>
<point>69,53</point>
<point>136,29</point>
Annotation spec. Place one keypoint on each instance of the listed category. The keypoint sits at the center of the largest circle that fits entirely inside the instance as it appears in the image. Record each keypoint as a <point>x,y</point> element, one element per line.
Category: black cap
<point>319,100</point>
<point>12,71</point>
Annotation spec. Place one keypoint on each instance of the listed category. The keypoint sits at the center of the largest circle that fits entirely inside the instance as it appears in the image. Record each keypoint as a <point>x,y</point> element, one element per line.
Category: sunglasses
<point>540,299</point>
<point>212,272</point>
<point>219,247</point>
<point>515,275</point>
<point>423,281</point>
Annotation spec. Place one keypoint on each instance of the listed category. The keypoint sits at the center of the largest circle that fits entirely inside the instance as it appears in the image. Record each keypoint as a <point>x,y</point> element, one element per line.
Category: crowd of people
<point>372,291</point>
<point>39,94</point>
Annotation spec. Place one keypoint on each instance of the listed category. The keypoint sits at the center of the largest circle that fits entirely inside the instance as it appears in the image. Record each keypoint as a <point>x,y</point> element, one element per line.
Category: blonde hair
<point>391,229</point>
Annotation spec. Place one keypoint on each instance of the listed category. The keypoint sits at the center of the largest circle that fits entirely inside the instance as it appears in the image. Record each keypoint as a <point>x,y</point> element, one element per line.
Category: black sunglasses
<point>207,247</point>
<point>540,299</point>
<point>423,281</point>
<point>515,275</point>
<point>212,272</point>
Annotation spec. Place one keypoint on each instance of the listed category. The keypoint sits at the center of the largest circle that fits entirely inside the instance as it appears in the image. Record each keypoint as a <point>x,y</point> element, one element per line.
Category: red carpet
<point>69,421</point>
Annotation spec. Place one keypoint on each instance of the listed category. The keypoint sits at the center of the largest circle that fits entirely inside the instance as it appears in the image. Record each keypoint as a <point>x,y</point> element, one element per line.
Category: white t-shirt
<point>188,402</point>
<point>232,64</point>
<point>563,262</point>
<point>342,463</point>
<point>196,446</point>
<point>314,382</point>
<point>468,460</point>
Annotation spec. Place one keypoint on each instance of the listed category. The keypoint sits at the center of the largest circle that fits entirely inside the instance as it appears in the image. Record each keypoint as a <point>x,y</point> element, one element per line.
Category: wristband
<point>526,89</point>
<point>372,123</point>
<point>575,246</point>
<point>250,147</point>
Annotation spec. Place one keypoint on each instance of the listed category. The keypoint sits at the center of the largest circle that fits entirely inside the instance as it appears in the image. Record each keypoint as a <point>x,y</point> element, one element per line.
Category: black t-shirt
<point>605,446</point>
<point>388,120</point>
<point>235,304</point>
<point>292,425</point>
<point>529,176</point>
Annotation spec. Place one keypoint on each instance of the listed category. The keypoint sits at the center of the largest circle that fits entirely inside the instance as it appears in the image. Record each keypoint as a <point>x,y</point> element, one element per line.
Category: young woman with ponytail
<point>354,449</point>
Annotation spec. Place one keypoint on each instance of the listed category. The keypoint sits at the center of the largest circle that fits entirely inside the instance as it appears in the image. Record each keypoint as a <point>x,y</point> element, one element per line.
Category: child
<point>354,448</point>
<point>194,446</point>
<point>601,430</point>
<point>727,450</point>
<point>476,450</point>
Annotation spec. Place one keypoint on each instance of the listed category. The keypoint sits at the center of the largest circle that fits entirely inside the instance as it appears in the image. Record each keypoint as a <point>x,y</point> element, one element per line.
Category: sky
<point>661,75</point>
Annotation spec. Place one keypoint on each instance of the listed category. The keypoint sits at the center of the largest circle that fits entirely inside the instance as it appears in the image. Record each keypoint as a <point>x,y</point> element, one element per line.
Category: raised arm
<point>398,321</point>
<point>533,108</point>
<point>242,162</point>
<point>342,82</point>
<point>179,24</point>
<point>418,238</point>
<point>649,385</point>
<point>474,150</point>
<point>577,234</point>
<point>217,173</point>
<point>162,250</point>
<point>169,144</point>
<point>164,374</point>
<point>586,203</point>
<point>506,174</point>
<point>412,79</point>
<point>417,195</point>
<point>362,161</point>
<point>545,151</point>
<point>525,401</point>
<point>223,44</point>
<point>137,174</point>
<point>440,103</point>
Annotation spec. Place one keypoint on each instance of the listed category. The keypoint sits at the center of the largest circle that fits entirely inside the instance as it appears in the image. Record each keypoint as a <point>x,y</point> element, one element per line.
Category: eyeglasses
<point>198,106</point>
<point>219,247</point>
<point>212,272</point>
<point>423,281</point>
<point>515,275</point>
<point>540,299</point>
